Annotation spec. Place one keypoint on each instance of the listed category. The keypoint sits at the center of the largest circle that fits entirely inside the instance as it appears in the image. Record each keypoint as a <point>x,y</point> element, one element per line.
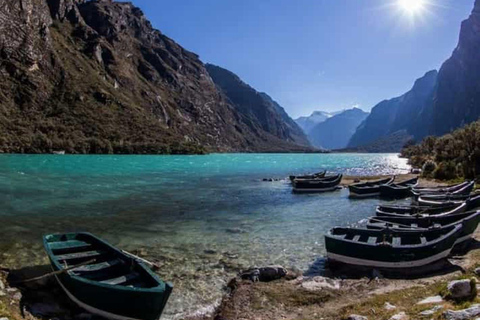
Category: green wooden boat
<point>104,280</point>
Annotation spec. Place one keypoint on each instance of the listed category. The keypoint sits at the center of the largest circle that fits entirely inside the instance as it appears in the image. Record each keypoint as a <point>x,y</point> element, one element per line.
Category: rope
<point>54,273</point>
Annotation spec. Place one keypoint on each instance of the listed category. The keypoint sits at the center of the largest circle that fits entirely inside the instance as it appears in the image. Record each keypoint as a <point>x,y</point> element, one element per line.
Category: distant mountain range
<point>438,103</point>
<point>308,123</point>
<point>96,77</point>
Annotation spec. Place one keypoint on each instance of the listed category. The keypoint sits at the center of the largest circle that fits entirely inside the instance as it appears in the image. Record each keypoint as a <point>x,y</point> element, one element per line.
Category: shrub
<point>429,167</point>
<point>445,171</point>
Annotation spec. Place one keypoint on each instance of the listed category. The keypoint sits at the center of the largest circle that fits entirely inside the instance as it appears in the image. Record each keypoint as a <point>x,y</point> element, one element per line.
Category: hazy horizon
<point>317,55</point>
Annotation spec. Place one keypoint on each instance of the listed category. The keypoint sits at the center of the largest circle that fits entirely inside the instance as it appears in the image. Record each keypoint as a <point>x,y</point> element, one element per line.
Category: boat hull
<point>106,299</point>
<point>391,256</point>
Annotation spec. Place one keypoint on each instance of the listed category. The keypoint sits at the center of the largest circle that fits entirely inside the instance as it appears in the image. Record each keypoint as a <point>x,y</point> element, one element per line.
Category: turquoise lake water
<point>203,218</point>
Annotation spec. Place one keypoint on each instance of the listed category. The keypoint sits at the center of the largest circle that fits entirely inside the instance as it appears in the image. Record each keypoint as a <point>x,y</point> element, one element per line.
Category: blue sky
<point>316,54</point>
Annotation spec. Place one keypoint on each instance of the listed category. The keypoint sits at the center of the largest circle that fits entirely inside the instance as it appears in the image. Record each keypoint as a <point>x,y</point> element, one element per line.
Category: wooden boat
<point>317,185</point>
<point>469,221</point>
<point>106,281</point>
<point>368,189</point>
<point>398,190</point>
<point>473,201</point>
<point>446,209</point>
<point>310,176</point>
<point>441,189</point>
<point>463,190</point>
<point>388,248</point>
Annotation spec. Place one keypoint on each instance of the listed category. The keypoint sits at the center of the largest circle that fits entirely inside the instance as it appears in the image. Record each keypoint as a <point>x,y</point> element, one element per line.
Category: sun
<point>412,7</point>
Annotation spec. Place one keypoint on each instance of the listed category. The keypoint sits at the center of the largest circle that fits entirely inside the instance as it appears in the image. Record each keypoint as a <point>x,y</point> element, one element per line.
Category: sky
<point>316,54</point>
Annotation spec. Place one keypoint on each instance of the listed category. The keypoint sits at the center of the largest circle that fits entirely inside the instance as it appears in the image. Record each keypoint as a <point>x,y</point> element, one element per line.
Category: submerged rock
<point>265,274</point>
<point>465,314</point>
<point>461,289</point>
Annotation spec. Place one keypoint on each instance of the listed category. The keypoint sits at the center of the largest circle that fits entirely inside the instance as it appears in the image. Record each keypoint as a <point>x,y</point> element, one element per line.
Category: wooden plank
<point>122,279</point>
<point>423,240</point>
<point>79,255</point>
<point>396,241</point>
<point>356,238</point>
<point>372,240</point>
<point>72,244</point>
<point>97,266</point>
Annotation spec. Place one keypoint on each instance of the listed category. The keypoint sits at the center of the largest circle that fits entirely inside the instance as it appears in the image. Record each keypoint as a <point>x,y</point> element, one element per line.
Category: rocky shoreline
<point>276,293</point>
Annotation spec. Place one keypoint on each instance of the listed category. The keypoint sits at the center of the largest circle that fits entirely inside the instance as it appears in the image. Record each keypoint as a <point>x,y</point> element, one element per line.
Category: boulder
<point>265,274</point>
<point>356,317</point>
<point>461,289</point>
<point>477,271</point>
<point>4,318</point>
<point>400,316</point>
<point>464,314</point>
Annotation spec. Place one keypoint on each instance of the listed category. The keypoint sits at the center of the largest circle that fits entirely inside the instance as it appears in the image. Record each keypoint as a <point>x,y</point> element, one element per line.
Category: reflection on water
<point>203,218</point>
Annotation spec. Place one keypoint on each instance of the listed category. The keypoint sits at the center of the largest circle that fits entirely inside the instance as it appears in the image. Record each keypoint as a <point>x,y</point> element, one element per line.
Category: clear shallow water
<point>203,217</point>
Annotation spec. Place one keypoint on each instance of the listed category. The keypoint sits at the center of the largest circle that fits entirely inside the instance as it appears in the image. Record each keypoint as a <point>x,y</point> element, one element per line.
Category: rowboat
<point>368,189</point>
<point>435,201</point>
<point>103,280</point>
<point>446,209</point>
<point>398,190</point>
<point>383,210</point>
<point>317,186</point>
<point>439,190</point>
<point>310,176</point>
<point>324,178</point>
<point>469,221</point>
<point>389,248</point>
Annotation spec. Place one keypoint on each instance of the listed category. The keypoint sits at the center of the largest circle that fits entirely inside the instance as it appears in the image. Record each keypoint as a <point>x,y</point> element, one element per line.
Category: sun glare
<point>412,7</point>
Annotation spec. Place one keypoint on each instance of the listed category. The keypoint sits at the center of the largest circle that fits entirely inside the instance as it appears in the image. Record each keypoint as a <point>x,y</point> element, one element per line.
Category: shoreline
<point>246,291</point>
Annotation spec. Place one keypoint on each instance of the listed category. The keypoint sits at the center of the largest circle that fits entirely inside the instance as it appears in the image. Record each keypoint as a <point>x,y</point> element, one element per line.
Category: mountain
<point>307,123</point>
<point>336,131</point>
<point>408,113</point>
<point>262,112</point>
<point>96,77</point>
<point>457,97</point>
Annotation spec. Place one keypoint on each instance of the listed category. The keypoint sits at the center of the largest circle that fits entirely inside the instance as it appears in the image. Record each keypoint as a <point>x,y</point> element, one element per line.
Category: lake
<point>203,218</point>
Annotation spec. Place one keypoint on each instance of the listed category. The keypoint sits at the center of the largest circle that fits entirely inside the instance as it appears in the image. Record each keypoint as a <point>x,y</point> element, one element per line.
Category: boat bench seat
<point>356,238</point>
<point>423,240</point>
<point>372,240</point>
<point>121,280</point>
<point>72,244</point>
<point>396,241</point>
<point>79,255</point>
<point>97,266</point>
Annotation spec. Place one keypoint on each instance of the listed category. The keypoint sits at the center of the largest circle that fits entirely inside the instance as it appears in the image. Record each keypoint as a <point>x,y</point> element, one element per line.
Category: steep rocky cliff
<point>407,113</point>
<point>261,111</point>
<point>457,98</point>
<point>335,132</point>
<point>95,77</point>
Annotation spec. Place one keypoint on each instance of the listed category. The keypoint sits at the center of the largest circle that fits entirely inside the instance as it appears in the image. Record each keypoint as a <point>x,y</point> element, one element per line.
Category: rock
<point>477,271</point>
<point>434,299</point>
<point>431,311</point>
<point>356,317</point>
<point>461,289</point>
<point>465,314</point>
<point>17,296</point>
<point>319,283</point>
<point>2,285</point>
<point>235,230</point>
<point>4,318</point>
<point>220,318</point>
<point>209,251</point>
<point>389,306</point>
<point>265,274</point>
<point>400,316</point>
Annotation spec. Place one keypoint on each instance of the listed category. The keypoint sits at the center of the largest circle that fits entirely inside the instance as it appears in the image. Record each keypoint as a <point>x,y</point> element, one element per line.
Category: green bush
<point>429,167</point>
<point>445,171</point>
